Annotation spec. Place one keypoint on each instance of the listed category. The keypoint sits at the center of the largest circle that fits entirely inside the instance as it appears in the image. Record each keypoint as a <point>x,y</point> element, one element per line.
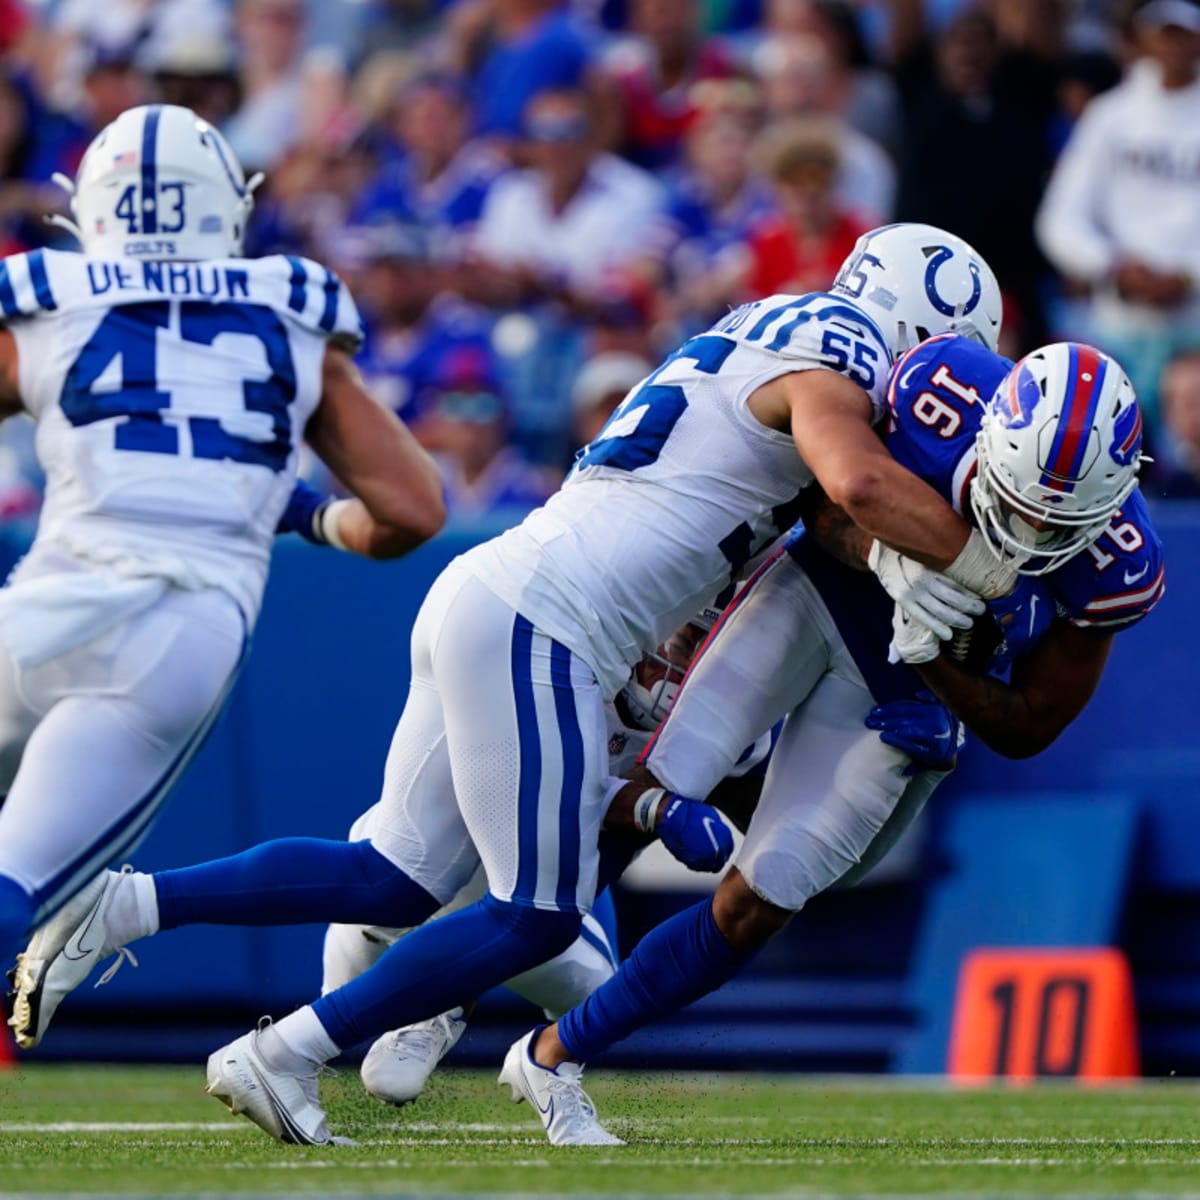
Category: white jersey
<point>680,489</point>
<point>171,398</point>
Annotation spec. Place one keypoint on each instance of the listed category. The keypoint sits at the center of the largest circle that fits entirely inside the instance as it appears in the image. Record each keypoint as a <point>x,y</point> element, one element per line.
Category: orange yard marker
<point>1028,1013</point>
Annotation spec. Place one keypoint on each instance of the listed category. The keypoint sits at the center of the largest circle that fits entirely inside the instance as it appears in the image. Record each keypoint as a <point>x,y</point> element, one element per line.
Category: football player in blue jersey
<point>1044,455</point>
<point>172,381</point>
<point>522,640</point>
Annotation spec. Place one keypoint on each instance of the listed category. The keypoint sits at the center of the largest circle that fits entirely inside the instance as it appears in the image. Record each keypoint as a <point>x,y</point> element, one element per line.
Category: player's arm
<point>10,395</point>
<point>833,530</point>
<point>829,418</point>
<point>398,492</point>
<point>641,810</point>
<point>1048,690</point>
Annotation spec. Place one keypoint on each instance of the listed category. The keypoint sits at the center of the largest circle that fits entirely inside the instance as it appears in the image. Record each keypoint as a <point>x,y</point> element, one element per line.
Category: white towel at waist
<point>48,615</point>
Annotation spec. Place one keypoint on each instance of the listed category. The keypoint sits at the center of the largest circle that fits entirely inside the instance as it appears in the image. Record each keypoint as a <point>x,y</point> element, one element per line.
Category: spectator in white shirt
<point>1122,212</point>
<point>570,227</point>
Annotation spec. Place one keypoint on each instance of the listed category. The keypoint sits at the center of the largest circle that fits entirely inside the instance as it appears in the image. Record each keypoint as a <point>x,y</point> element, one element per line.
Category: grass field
<point>124,1131</point>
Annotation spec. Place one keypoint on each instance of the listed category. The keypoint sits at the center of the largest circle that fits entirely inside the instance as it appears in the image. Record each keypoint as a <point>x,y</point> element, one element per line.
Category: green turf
<point>689,1135</point>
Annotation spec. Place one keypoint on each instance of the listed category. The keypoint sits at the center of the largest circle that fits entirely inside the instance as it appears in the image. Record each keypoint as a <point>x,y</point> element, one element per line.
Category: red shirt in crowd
<point>783,263</point>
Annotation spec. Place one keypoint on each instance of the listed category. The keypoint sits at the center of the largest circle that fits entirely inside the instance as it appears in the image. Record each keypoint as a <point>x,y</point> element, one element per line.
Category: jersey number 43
<point>130,333</point>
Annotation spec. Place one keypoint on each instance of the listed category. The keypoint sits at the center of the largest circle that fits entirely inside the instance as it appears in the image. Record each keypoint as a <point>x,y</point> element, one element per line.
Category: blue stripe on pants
<point>530,749</point>
<point>572,777</point>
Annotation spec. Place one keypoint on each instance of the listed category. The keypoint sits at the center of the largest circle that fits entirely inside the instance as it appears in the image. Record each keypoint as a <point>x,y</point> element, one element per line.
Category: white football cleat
<point>60,956</point>
<point>286,1104</point>
<point>566,1110</point>
<point>398,1065</point>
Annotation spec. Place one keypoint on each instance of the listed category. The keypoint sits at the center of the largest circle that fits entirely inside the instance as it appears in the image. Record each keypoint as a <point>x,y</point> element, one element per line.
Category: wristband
<point>645,809</point>
<point>325,523</point>
<point>980,571</point>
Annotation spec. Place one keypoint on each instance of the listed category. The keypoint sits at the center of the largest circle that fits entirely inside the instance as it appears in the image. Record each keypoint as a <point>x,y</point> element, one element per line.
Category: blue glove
<point>694,833</point>
<point>923,728</point>
<point>303,513</point>
<point>1023,615</point>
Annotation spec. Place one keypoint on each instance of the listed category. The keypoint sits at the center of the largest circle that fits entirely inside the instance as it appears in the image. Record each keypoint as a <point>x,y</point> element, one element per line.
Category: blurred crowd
<point>534,200</point>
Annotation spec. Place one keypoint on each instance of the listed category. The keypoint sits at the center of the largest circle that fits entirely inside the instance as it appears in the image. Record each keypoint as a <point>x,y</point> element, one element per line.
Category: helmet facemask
<point>1034,537</point>
<point>656,680</point>
<point>1057,456</point>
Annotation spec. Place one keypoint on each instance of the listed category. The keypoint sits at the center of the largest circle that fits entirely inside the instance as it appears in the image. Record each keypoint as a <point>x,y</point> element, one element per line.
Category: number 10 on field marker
<point>1037,1013</point>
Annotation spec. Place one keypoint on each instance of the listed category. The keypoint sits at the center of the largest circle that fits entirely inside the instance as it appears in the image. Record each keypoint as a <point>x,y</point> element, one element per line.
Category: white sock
<point>132,911</point>
<point>297,1043</point>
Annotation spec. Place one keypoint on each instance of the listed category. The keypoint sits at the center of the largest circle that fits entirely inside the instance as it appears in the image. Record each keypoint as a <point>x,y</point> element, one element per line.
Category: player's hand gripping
<point>690,829</point>
<point>925,595</point>
<point>923,728</point>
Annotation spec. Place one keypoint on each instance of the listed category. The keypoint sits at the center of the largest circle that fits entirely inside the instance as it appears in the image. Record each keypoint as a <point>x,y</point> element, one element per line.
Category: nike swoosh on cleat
<point>77,938</point>
<point>547,1112</point>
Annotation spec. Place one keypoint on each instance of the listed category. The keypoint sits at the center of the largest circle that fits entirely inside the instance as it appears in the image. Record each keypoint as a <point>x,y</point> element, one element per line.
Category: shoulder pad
<point>817,330</point>
<point>319,300</point>
<point>25,285</point>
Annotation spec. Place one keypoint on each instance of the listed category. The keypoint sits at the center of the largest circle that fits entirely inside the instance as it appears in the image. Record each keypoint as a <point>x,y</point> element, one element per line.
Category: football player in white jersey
<point>398,1064</point>
<point>1044,453</point>
<point>521,640</point>
<point>172,382</point>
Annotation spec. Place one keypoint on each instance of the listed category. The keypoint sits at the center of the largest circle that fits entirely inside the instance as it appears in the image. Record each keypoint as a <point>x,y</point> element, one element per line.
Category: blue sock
<point>683,959</point>
<point>291,881</point>
<point>16,919</point>
<point>445,963</point>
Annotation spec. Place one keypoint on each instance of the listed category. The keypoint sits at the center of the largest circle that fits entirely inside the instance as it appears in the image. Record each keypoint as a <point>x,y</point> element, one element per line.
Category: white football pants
<point>835,797</point>
<point>500,756</point>
<point>92,741</point>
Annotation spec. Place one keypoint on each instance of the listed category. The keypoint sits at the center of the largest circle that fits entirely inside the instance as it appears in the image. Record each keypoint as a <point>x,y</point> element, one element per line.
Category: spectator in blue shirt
<point>432,173</point>
<point>412,321</point>
<point>461,416</point>
<point>529,46</point>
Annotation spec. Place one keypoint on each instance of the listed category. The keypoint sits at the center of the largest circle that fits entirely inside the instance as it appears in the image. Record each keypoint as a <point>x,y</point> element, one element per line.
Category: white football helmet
<point>159,182</point>
<point>915,281</point>
<point>1059,449</point>
<point>647,706</point>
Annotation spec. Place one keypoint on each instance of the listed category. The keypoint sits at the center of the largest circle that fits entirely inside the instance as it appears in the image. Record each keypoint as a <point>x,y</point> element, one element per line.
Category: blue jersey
<point>936,397</point>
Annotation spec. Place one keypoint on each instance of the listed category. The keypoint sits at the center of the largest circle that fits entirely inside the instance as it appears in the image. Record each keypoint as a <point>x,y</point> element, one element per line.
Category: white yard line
<point>121,1126</point>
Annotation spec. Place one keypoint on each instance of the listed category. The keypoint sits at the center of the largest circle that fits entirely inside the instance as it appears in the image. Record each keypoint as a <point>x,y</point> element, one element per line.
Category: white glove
<point>926,595</point>
<point>912,642</point>
<point>978,568</point>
